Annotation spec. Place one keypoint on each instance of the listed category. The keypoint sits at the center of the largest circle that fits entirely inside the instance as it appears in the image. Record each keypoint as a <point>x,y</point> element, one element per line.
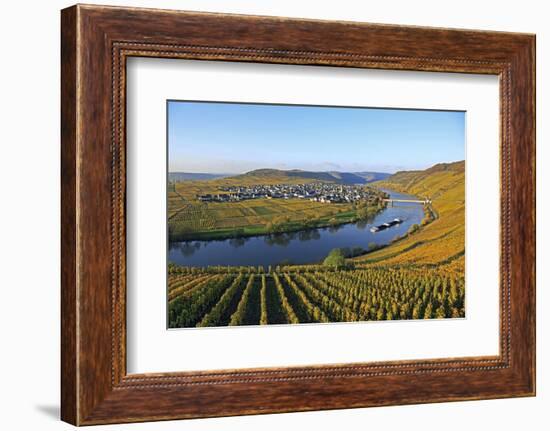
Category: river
<point>310,246</point>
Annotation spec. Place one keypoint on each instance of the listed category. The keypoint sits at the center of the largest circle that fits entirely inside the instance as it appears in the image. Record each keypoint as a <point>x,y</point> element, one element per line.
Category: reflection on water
<point>309,235</point>
<point>280,239</point>
<point>334,229</point>
<point>187,248</point>
<point>362,224</point>
<point>237,242</point>
<point>308,246</point>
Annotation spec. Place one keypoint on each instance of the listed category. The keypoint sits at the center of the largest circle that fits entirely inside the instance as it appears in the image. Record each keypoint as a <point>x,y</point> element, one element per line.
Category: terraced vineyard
<point>195,220</point>
<point>311,294</point>
<point>191,219</point>
<point>442,240</point>
<point>419,275</point>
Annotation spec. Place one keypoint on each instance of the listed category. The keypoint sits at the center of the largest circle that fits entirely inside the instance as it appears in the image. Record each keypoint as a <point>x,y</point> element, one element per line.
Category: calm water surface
<point>309,246</point>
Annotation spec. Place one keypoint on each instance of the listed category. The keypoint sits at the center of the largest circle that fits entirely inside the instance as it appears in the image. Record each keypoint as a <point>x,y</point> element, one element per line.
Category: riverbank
<point>429,216</point>
<point>299,245</point>
<point>332,220</point>
<point>205,210</point>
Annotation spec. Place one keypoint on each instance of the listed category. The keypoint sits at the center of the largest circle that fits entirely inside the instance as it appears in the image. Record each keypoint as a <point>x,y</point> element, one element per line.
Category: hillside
<point>261,176</point>
<point>373,176</point>
<point>283,176</point>
<point>193,176</point>
<point>427,183</point>
<point>229,296</point>
<point>442,240</point>
<point>419,276</point>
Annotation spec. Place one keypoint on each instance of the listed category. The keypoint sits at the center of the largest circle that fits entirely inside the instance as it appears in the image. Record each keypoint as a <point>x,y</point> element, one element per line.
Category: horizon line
<point>316,171</point>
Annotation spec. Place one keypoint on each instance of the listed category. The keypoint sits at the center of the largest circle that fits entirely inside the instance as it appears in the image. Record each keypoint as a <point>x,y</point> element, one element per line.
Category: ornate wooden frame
<point>95,42</point>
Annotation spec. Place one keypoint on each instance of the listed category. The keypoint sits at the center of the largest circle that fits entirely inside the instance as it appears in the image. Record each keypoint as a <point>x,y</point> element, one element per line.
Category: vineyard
<point>418,276</point>
<point>440,241</point>
<point>311,294</point>
<point>191,219</point>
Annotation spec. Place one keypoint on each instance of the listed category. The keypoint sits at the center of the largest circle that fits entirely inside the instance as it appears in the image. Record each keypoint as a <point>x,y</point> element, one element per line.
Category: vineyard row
<point>222,299</point>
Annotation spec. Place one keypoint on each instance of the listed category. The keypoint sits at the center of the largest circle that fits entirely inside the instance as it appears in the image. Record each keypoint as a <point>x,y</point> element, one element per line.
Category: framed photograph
<point>270,233</point>
<point>264,215</point>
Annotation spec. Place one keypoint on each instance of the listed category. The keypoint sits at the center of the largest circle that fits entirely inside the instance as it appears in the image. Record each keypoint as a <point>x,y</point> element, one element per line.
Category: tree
<point>335,258</point>
<point>310,221</point>
<point>333,222</point>
<point>363,212</point>
<point>413,228</point>
<point>372,246</point>
<point>278,224</point>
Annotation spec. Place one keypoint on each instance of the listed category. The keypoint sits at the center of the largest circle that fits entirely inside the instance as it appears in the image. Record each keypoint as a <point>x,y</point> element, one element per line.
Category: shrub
<point>335,258</point>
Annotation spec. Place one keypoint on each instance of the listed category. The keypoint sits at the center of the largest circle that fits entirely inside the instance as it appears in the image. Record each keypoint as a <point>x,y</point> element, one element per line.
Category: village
<point>315,192</point>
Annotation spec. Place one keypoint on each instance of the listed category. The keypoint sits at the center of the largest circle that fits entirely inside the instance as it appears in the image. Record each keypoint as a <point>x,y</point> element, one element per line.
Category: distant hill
<point>297,175</point>
<point>372,176</point>
<point>191,176</point>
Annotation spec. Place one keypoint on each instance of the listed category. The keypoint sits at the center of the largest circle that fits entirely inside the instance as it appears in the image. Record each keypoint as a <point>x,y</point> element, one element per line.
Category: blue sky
<point>235,138</point>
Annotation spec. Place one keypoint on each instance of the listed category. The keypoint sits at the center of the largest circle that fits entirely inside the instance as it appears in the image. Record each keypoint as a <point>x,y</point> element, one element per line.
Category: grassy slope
<point>442,240</point>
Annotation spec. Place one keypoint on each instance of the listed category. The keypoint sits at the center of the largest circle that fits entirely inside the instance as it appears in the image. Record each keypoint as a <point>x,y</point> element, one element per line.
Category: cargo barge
<point>386,225</point>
